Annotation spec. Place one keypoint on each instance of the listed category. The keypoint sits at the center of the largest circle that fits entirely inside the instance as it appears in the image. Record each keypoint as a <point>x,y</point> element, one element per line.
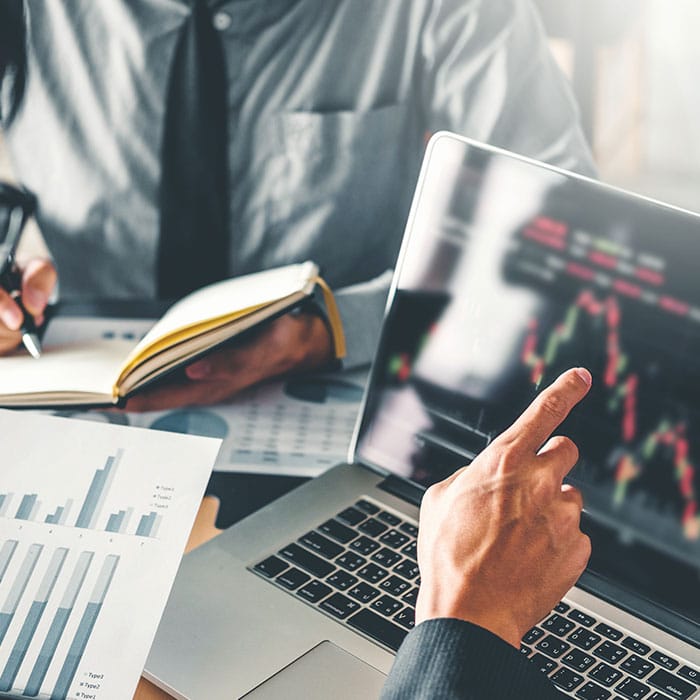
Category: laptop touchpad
<point>326,671</point>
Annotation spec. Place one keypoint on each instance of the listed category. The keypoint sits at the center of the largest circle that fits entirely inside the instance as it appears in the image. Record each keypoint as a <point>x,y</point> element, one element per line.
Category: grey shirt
<point>330,105</point>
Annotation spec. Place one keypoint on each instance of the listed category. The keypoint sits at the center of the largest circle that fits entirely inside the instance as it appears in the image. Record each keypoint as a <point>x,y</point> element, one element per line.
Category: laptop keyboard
<point>361,569</point>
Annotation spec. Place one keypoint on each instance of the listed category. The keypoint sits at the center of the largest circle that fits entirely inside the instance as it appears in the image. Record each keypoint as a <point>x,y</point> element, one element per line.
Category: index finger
<point>548,410</point>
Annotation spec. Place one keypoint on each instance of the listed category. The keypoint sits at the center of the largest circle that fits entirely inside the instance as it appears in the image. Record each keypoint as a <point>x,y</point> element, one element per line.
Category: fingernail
<point>585,375</point>
<point>199,370</point>
<point>12,317</point>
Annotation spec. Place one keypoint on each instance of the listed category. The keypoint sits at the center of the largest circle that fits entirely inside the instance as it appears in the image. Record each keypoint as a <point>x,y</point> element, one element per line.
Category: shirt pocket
<point>347,159</point>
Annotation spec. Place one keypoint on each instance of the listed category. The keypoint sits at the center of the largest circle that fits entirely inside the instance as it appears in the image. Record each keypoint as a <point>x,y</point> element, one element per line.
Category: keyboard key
<point>372,573</point>
<point>525,650</point>
<point>672,685</point>
<point>292,578</point>
<point>533,635</point>
<point>307,560</point>
<point>379,628</point>
<point>551,646</point>
<point>610,652</point>
<point>592,691</point>
<point>561,607</point>
<point>364,545</point>
<point>363,592</point>
<point>338,531</point>
<point>386,605</point>
<point>607,675</point>
<point>583,638</point>
<point>632,689</point>
<point>339,606</point>
<point>566,679</point>
<point>271,567</point>
<point>314,591</point>
<point>637,666</point>
<point>411,550</point>
<point>372,527</point>
<point>609,632</point>
<point>341,580</point>
<point>664,660</point>
<point>394,539</point>
<point>578,660</point>
<point>556,624</point>
<point>406,618</point>
<point>351,516</point>
<point>691,674</point>
<point>386,557</point>
<point>656,695</point>
<point>395,585</point>
<point>411,597</point>
<point>367,507</point>
<point>409,529</point>
<point>542,663</point>
<point>636,646</point>
<point>350,561</point>
<point>321,545</point>
<point>390,518</point>
<point>407,568</point>
<point>581,618</point>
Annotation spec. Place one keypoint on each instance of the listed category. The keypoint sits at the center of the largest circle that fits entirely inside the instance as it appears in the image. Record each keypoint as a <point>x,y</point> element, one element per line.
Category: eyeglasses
<point>16,206</point>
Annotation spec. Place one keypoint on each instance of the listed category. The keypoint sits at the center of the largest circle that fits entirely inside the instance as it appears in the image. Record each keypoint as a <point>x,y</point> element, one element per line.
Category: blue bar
<point>48,649</point>
<point>58,625</point>
<point>6,554</point>
<point>145,525</point>
<point>19,651</point>
<point>75,653</point>
<point>5,503</point>
<point>5,620</point>
<point>87,623</point>
<point>115,521</point>
<point>25,507</point>
<point>55,517</point>
<point>93,495</point>
<point>9,607</point>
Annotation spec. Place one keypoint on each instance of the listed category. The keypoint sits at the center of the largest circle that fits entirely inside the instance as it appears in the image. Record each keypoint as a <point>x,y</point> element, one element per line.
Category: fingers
<point>38,282</point>
<point>558,455</point>
<point>10,313</point>
<point>547,411</point>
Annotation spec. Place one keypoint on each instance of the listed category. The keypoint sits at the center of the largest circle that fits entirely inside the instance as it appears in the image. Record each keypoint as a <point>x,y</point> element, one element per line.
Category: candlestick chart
<point>638,451</point>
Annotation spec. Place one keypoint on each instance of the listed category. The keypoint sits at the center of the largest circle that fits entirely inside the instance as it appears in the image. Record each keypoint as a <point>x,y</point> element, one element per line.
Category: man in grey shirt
<point>330,103</point>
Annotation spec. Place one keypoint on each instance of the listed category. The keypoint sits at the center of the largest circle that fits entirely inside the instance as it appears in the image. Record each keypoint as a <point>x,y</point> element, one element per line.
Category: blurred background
<point>633,65</point>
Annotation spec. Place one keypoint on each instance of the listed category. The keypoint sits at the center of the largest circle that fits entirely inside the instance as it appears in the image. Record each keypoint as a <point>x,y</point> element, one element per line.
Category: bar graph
<point>7,612</point>
<point>93,522</point>
<point>87,623</point>
<point>58,624</point>
<point>31,621</point>
<point>89,516</point>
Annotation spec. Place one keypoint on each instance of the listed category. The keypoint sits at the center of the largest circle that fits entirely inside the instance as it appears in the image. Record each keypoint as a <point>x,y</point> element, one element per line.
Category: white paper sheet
<point>93,522</point>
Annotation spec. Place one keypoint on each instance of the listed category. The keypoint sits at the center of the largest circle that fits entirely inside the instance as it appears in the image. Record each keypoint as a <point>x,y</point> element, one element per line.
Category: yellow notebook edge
<point>334,320</point>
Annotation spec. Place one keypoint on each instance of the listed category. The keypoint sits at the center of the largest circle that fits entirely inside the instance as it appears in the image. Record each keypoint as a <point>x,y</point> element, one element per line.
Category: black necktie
<point>193,244</point>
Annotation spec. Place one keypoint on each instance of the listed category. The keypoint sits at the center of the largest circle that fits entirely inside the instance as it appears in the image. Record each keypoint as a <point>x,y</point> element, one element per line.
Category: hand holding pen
<point>24,295</point>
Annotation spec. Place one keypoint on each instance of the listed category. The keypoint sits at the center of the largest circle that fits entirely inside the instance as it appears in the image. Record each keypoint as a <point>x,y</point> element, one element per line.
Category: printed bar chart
<point>148,525</point>
<point>5,499</point>
<point>6,553</point>
<point>87,623</point>
<point>7,612</point>
<point>26,506</point>
<point>31,621</point>
<point>58,624</point>
<point>97,493</point>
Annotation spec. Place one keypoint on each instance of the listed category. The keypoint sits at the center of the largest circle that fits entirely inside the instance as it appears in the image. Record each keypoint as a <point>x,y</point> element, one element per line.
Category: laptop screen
<point>514,272</point>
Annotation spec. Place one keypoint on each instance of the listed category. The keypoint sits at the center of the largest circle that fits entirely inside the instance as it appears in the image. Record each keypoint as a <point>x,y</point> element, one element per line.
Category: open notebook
<point>105,372</point>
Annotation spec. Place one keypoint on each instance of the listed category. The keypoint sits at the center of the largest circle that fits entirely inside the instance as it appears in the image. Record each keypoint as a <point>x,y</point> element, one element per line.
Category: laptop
<point>510,272</point>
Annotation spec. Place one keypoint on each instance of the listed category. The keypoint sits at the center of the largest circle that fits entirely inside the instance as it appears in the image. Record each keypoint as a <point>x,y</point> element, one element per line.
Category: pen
<point>11,281</point>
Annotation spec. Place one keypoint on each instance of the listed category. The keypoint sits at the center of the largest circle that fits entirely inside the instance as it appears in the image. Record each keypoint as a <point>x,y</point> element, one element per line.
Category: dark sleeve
<point>456,660</point>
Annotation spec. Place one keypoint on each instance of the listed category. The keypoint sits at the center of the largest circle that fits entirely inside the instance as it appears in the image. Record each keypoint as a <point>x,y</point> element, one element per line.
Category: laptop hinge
<point>403,489</point>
